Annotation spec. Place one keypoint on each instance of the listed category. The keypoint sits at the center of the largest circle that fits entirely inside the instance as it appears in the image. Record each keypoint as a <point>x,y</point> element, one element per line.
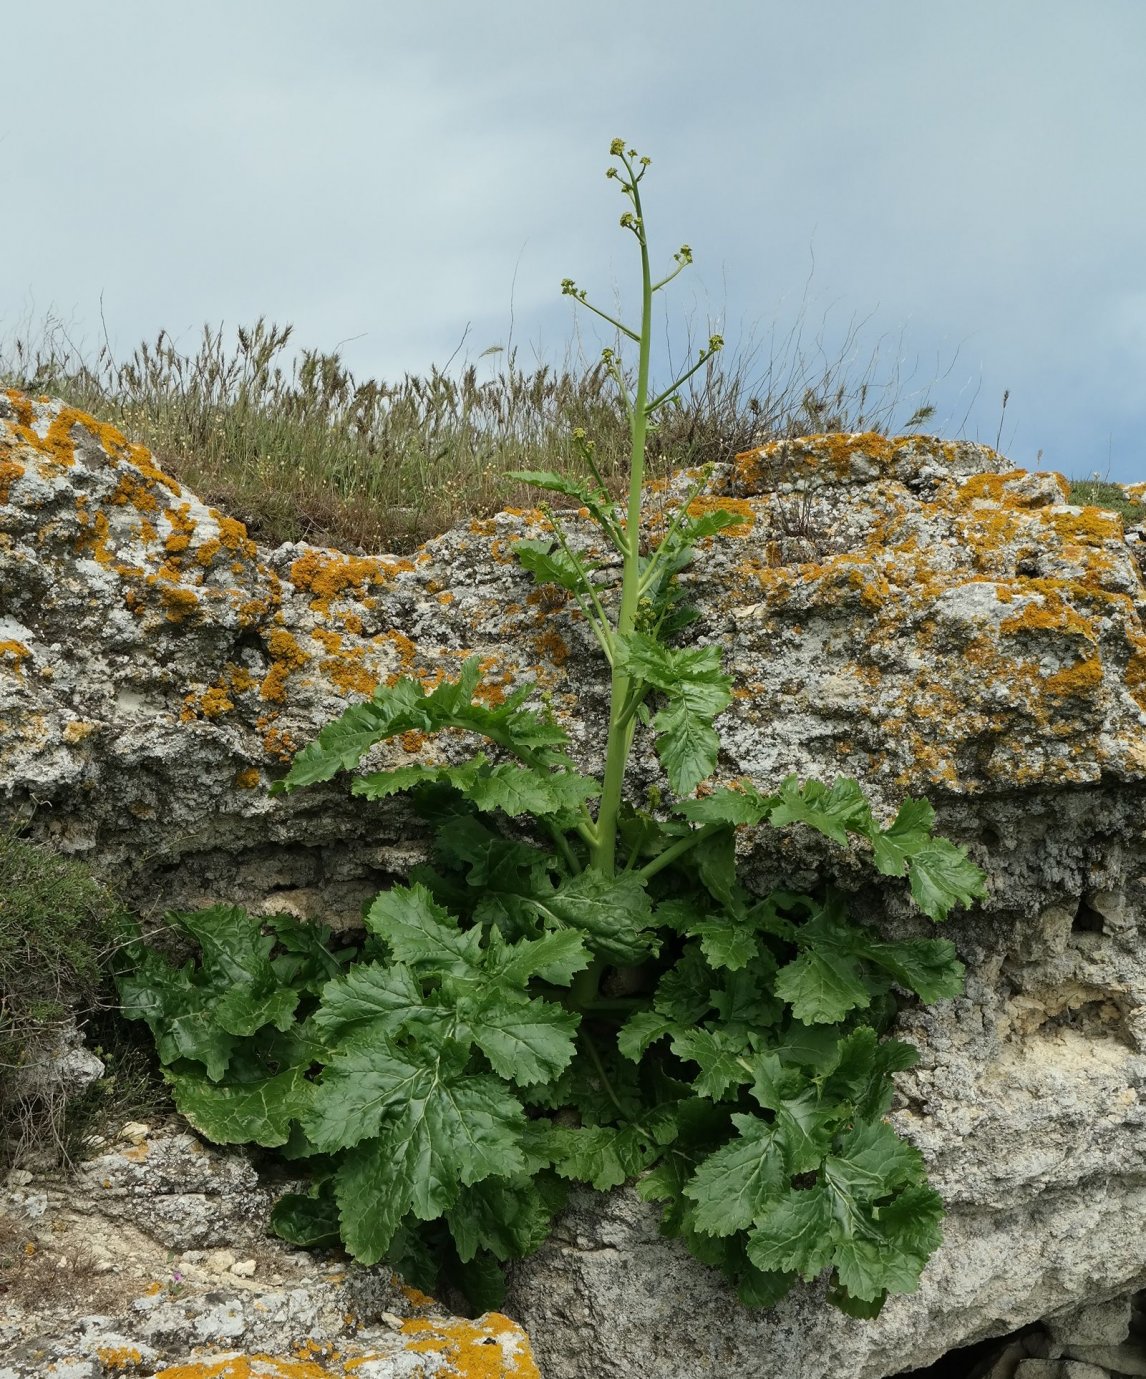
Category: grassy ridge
<point>300,449</point>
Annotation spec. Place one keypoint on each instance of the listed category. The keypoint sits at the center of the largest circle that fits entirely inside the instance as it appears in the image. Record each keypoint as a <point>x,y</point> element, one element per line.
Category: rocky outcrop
<point>154,1260</point>
<point>914,613</point>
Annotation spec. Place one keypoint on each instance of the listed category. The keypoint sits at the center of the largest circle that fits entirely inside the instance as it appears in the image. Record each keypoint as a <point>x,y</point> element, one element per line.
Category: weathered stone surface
<point>911,612</point>
<point>155,1259</point>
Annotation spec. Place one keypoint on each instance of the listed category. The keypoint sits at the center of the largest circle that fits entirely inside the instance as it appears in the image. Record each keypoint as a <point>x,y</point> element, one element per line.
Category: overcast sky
<point>964,177</point>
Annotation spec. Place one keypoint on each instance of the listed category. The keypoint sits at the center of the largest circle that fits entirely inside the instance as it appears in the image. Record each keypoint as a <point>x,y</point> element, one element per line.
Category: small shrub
<point>60,929</point>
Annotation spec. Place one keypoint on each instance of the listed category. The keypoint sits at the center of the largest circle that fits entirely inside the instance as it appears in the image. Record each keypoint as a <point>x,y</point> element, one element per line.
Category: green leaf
<point>909,831</point>
<point>249,1113</point>
<point>416,1131</point>
<point>379,784</point>
<point>481,1281</point>
<point>822,987</point>
<point>709,524</point>
<point>803,1121</point>
<point>179,1012</point>
<point>860,1072</point>
<point>794,1234</point>
<point>341,745</point>
<point>599,503</point>
<point>871,1161</point>
<point>509,1218</point>
<point>833,812</point>
<point>550,565</point>
<point>604,1156</point>
<point>555,958</point>
<point>613,912</point>
<point>942,876</point>
<point>308,1220</point>
<point>686,743</point>
<point>642,1028</point>
<point>727,805</point>
<point>726,942</point>
<point>718,1056</point>
<point>684,992</point>
<point>928,967</point>
<point>526,1040</point>
<point>421,933</point>
<point>384,995</point>
<point>519,790</point>
<point>737,1184</point>
<point>744,999</point>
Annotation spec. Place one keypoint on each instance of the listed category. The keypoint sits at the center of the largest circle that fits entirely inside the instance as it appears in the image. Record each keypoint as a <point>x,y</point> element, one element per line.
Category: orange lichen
<point>212,703</point>
<point>287,657</point>
<point>553,646</point>
<point>326,574</point>
<point>1052,614</point>
<point>10,471</point>
<point>412,741</point>
<point>135,491</point>
<point>248,778</point>
<point>492,1347</point>
<point>233,535</point>
<point>182,529</point>
<point>348,674</point>
<point>119,1356</point>
<point>1077,681</point>
<point>278,742</point>
<point>1089,527</point>
<point>16,652</point>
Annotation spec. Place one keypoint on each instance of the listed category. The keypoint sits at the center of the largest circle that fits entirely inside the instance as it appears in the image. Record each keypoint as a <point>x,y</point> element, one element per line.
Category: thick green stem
<point>620,737</point>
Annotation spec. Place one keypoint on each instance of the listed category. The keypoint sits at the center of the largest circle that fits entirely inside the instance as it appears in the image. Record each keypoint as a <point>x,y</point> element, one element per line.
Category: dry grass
<point>298,448</point>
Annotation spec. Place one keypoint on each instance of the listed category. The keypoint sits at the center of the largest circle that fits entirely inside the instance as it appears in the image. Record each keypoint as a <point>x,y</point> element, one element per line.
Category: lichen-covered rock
<point>155,1260</point>
<point>912,612</point>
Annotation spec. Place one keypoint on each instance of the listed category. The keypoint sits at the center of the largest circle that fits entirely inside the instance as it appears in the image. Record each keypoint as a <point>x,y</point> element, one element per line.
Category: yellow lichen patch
<point>180,603</point>
<point>1049,614</point>
<point>492,1347</point>
<point>15,653</point>
<point>286,656</point>
<point>414,1296</point>
<point>135,491</point>
<point>75,731</point>
<point>248,778</point>
<point>10,471</point>
<point>212,703</point>
<point>553,647</point>
<point>1086,527</point>
<point>706,502</point>
<point>412,741</point>
<point>278,742</point>
<point>182,529</point>
<point>233,535</point>
<point>206,553</point>
<point>119,1357</point>
<point>349,675</point>
<point>327,574</point>
<point>1079,681</point>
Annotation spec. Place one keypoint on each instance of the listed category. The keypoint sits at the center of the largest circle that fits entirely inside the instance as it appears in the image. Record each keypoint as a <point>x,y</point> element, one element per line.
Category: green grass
<point>300,449</point>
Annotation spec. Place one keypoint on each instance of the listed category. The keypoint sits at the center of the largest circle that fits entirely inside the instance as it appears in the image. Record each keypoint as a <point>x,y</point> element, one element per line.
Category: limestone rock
<point>116,1278</point>
<point>912,612</point>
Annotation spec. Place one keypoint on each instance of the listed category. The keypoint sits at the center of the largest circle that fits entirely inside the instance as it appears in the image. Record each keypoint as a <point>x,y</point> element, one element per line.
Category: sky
<point>953,189</point>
